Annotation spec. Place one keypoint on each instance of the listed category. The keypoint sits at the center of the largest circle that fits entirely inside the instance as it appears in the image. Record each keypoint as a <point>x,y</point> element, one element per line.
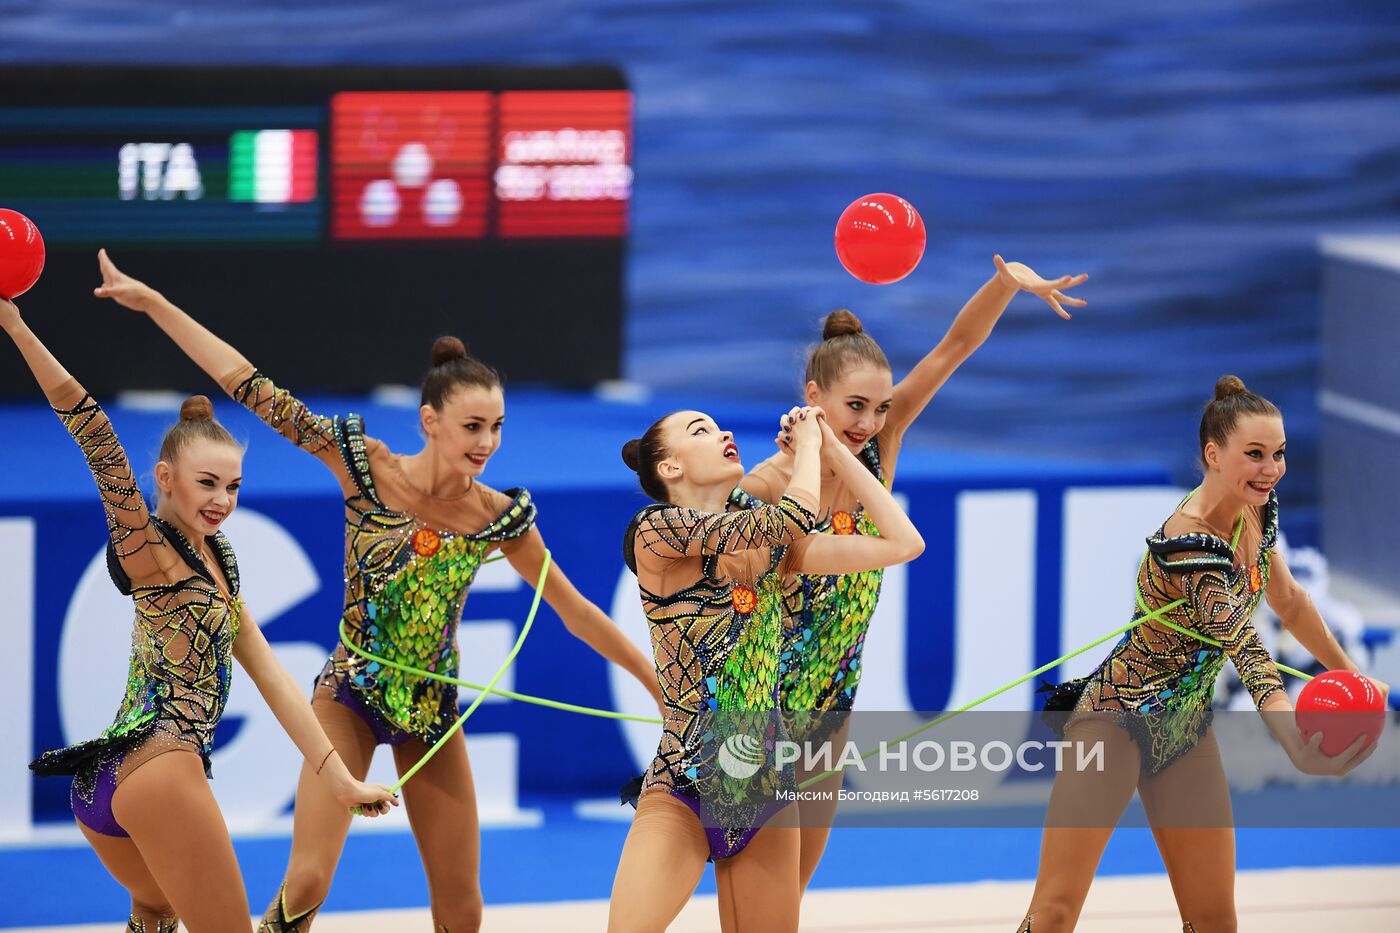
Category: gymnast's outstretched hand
<point>122,288</point>
<point>1020,276</point>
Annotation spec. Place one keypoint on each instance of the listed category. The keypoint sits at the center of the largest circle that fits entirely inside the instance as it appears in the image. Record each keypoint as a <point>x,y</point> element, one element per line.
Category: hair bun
<point>447,349</point>
<point>841,323</point>
<point>197,408</point>
<point>1227,386</point>
<point>632,454</point>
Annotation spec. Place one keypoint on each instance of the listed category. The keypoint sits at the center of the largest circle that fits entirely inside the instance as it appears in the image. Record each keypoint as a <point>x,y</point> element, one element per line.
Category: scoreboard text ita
<point>371,165</point>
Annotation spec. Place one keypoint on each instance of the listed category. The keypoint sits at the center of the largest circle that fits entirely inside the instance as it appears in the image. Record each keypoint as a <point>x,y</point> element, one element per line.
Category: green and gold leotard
<point>821,655</point>
<point>1162,680</point>
<point>712,588</point>
<point>182,640</point>
<point>410,559</point>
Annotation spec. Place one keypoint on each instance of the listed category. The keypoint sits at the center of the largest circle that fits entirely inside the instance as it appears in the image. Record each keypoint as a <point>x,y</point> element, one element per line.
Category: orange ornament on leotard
<point>842,523</point>
<point>744,600</point>
<point>426,542</point>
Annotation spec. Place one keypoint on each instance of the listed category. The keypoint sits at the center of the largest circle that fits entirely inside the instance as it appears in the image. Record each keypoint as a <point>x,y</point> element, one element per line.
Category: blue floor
<point>571,859</point>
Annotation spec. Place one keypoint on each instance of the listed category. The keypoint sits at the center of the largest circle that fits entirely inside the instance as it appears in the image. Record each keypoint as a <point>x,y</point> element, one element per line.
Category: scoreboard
<point>163,175</point>
<point>356,164</point>
<point>346,208</point>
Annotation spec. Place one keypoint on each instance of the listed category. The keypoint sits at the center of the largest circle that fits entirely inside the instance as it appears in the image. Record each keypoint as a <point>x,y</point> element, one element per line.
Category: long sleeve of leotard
<point>129,527</point>
<point>1225,617</point>
<point>674,532</point>
<point>287,415</point>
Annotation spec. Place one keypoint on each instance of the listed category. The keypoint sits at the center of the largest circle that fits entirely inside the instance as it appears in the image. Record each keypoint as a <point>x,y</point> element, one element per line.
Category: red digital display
<point>563,163</point>
<point>410,164</point>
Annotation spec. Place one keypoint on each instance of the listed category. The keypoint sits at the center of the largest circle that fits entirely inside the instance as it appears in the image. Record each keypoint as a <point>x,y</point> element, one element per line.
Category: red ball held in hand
<point>21,254</point>
<point>1341,705</point>
<point>880,238</point>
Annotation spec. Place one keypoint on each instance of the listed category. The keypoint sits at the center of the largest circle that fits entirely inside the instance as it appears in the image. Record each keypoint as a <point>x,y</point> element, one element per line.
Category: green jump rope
<point>489,687</point>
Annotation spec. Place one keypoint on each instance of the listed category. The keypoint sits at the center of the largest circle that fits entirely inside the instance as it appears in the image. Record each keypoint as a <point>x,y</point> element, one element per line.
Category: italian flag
<point>272,166</point>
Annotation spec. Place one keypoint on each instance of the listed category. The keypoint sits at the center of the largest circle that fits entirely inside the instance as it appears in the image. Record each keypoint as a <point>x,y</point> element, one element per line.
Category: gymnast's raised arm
<point>970,329</point>
<point>136,543</point>
<point>223,363</point>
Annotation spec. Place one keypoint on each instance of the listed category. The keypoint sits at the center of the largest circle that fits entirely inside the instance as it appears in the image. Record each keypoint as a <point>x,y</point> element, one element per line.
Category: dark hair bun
<point>632,454</point>
<point>840,323</point>
<point>447,349</point>
<point>197,408</point>
<point>1227,386</point>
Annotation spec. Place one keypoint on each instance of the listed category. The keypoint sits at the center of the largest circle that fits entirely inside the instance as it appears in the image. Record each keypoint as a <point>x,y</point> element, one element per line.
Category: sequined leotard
<point>408,566</point>
<point>714,601</point>
<point>821,656</point>
<point>1160,680</point>
<point>181,645</point>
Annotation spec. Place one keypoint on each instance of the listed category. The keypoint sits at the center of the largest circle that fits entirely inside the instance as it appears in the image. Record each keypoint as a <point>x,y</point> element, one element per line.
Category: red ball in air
<point>880,238</point>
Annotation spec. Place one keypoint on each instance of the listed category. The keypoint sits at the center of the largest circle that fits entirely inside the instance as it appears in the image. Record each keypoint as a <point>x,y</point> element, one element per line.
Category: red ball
<point>880,238</point>
<point>21,254</point>
<point>1341,705</point>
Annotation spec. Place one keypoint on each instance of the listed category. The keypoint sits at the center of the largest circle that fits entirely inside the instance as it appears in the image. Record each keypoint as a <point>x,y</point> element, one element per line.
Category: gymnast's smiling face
<point>856,404</point>
<point>699,453</point>
<point>200,485</point>
<point>1252,460</point>
<point>467,430</point>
